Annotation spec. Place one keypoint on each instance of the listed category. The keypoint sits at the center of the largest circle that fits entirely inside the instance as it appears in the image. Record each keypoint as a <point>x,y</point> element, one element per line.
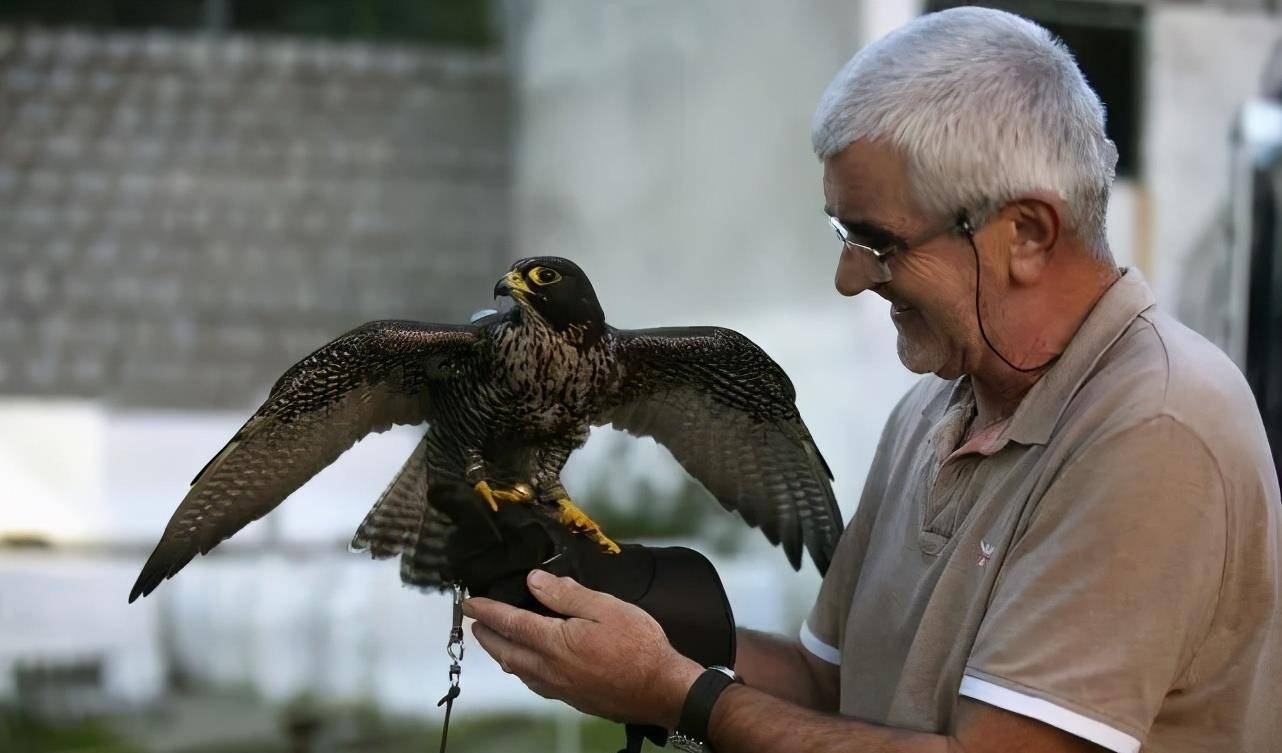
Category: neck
<point>581,335</point>
<point>1057,314</point>
<point>997,396</point>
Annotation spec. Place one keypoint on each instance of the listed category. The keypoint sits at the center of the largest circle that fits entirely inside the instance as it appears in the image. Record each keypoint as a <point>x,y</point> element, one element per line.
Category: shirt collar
<point>1039,411</point>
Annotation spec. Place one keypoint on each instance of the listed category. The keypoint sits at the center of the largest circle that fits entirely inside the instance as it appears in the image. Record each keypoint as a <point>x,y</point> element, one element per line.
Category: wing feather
<point>366,380</point>
<point>727,412</point>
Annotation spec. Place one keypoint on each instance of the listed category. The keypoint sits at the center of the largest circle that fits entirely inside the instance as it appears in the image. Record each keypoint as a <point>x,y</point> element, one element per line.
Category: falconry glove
<point>491,554</point>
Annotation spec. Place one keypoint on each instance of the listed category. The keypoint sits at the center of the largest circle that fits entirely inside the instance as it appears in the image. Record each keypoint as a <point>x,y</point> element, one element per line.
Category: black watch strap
<point>696,712</point>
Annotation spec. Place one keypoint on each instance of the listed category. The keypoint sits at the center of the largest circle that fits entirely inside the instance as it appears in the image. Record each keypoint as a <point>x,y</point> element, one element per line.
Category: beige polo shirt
<point>1106,561</point>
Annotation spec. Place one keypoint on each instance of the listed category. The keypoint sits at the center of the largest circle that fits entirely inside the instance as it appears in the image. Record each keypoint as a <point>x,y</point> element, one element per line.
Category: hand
<point>607,657</point>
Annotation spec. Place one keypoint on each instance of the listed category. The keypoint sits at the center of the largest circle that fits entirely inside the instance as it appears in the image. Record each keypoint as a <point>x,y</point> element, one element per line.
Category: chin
<point>926,358</point>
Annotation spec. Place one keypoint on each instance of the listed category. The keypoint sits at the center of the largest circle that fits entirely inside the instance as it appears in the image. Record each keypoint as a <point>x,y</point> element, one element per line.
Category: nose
<point>857,271</point>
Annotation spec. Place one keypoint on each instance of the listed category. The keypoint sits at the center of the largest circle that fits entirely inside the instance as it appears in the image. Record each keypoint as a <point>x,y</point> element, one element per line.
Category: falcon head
<point>557,291</point>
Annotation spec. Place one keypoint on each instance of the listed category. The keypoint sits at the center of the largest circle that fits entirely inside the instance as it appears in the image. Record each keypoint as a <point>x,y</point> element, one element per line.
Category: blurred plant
<point>631,506</point>
<point>25,541</point>
<point>451,22</point>
<point>20,733</point>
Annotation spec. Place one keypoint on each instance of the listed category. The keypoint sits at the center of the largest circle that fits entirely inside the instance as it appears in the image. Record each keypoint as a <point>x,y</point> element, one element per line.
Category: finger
<point>513,623</point>
<point>512,657</point>
<point>566,596</point>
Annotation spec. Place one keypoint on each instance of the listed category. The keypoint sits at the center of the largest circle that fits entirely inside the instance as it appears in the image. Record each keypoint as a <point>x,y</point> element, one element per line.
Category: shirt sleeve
<point>1106,595</point>
<point>823,630</point>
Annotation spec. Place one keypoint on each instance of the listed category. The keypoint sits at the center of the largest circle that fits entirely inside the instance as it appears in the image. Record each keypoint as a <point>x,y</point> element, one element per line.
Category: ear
<point>1034,231</point>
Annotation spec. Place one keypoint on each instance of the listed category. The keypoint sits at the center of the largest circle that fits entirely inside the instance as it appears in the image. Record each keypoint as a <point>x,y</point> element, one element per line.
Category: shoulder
<point>912,417</point>
<point>1161,377</point>
<point>929,395</point>
<point>1168,417</point>
<point>901,436</point>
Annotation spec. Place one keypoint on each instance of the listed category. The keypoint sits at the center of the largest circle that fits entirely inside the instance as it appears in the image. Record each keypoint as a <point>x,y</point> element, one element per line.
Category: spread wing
<point>727,412</point>
<point>377,375</point>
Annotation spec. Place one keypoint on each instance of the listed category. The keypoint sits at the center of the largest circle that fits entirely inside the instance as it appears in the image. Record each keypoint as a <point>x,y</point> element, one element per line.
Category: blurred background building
<point>195,194</point>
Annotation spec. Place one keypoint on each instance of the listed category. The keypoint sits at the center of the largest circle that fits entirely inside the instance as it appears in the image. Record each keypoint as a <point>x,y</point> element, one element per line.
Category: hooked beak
<point>512,282</point>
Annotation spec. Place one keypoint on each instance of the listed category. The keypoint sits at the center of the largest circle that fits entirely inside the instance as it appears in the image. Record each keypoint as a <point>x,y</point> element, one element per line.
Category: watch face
<point>685,744</point>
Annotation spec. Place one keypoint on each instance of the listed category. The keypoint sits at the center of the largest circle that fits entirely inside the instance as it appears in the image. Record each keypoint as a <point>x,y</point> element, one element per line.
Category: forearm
<point>778,666</point>
<point>745,719</point>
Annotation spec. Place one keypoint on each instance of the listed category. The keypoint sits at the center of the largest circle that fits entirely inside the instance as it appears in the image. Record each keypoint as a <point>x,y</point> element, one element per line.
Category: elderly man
<point>1069,538</point>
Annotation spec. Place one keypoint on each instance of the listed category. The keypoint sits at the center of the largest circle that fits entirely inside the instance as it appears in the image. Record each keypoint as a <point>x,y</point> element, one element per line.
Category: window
<point>1107,40</point>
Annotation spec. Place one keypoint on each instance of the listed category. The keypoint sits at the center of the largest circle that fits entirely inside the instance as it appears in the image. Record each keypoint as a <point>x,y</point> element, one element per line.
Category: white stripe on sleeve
<point>1045,711</point>
<point>817,647</point>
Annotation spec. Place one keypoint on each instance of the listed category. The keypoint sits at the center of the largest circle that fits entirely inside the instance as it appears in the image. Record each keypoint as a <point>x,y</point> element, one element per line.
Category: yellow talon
<point>572,516</point>
<point>520,492</point>
<point>484,490</point>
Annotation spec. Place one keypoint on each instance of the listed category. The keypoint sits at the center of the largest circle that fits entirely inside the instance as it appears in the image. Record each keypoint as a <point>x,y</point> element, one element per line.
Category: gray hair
<point>985,106</point>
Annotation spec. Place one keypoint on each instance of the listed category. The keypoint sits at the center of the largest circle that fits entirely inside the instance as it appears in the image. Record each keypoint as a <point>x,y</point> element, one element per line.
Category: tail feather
<point>403,522</point>
<point>394,521</point>
<point>424,564</point>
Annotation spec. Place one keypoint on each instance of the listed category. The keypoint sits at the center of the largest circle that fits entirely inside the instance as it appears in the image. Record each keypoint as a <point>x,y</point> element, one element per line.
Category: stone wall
<point>182,217</point>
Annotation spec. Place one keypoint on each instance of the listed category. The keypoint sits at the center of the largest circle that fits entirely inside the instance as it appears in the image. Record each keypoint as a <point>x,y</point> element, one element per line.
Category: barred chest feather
<point>554,380</point>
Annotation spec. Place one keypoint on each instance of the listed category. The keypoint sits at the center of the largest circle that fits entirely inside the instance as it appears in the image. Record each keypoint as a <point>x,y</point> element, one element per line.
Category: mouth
<point>898,310</point>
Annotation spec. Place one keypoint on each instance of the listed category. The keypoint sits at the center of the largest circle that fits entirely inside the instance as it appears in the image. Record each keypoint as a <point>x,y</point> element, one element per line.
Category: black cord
<point>454,648</point>
<point>963,224</point>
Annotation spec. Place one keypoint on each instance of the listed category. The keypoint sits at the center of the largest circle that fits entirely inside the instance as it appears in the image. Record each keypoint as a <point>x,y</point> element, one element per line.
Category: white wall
<point>80,472</point>
<point>666,147</point>
<point>1203,63</point>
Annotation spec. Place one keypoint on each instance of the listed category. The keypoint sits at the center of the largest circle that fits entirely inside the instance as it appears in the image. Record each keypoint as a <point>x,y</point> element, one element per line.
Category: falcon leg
<point>573,517</point>
<point>547,479</point>
<point>477,475</point>
<point>521,492</point>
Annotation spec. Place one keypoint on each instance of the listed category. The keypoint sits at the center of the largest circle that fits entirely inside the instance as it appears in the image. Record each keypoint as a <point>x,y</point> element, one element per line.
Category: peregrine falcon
<point>506,399</point>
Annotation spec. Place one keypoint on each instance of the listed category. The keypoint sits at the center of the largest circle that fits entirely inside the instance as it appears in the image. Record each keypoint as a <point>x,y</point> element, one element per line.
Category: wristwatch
<point>691,734</point>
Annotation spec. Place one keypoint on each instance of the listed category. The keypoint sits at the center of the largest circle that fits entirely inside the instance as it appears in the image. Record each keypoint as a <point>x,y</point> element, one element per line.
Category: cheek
<point>941,292</point>
<point>931,277</point>
<point>929,270</point>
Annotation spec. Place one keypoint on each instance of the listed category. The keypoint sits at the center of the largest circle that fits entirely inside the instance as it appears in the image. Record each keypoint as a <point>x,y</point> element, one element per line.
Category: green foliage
<point>450,22</point>
<point>339,728</point>
<point>461,22</point>
<point>640,508</point>
<point>520,733</point>
<point>22,734</point>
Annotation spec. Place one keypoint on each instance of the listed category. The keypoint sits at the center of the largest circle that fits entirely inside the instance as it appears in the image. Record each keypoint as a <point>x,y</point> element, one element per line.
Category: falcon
<point>506,400</point>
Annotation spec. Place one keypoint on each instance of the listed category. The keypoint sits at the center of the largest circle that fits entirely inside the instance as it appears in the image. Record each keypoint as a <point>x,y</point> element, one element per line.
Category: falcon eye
<point>544,276</point>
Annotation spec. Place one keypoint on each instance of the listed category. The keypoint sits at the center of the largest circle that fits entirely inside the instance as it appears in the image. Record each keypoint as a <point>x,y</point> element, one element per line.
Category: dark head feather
<point>558,291</point>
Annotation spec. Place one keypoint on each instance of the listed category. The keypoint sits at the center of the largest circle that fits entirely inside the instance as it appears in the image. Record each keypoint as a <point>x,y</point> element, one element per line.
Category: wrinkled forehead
<point>868,180</point>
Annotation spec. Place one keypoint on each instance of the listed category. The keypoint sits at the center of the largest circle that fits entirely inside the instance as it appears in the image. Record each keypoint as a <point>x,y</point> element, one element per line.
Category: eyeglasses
<point>960,225</point>
<point>880,254</point>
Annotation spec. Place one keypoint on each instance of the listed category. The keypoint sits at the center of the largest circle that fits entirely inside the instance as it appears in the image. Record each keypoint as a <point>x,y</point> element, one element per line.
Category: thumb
<point>566,596</point>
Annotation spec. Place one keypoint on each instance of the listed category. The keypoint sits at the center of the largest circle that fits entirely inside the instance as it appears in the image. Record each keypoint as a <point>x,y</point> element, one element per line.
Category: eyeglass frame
<point>961,225</point>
